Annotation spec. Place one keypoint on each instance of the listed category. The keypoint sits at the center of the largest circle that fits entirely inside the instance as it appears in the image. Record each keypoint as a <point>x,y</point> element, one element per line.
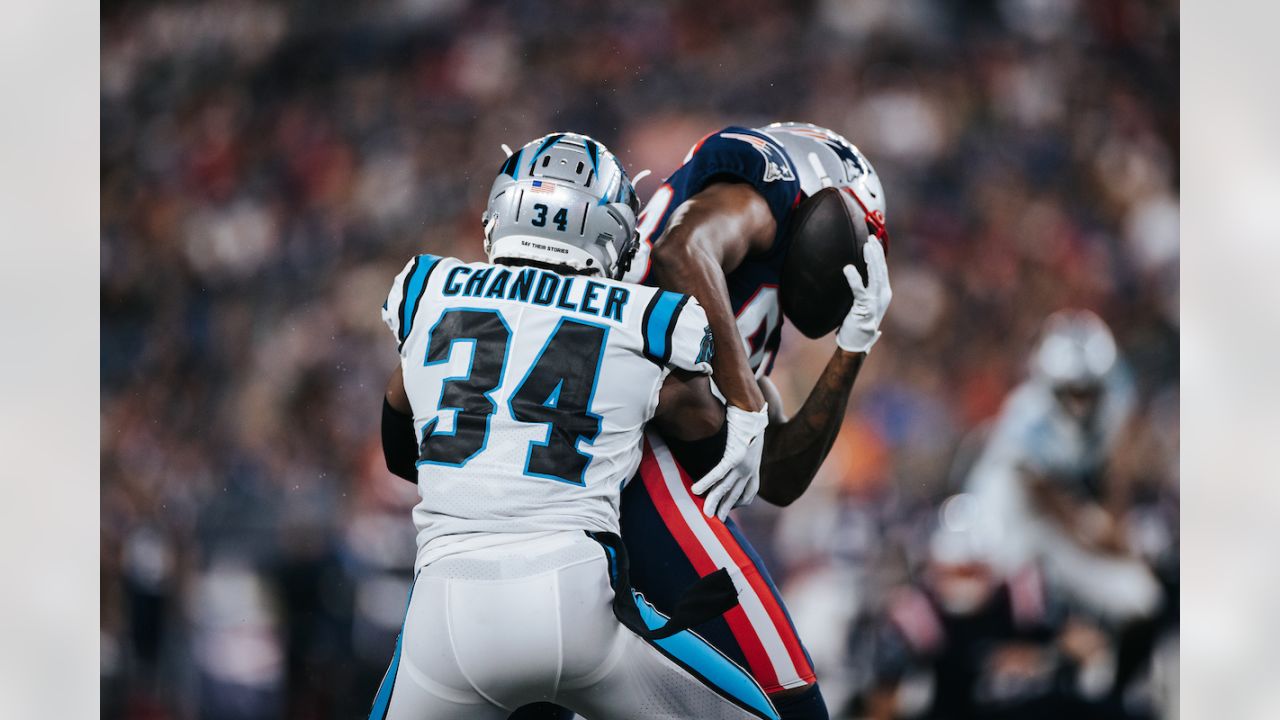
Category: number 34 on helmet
<point>563,201</point>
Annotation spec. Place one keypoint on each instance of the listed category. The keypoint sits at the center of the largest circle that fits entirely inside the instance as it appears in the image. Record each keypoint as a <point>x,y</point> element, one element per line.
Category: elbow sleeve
<point>399,442</point>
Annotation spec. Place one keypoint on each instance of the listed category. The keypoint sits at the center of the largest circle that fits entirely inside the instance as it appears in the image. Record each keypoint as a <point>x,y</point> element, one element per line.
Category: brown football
<point>823,236</point>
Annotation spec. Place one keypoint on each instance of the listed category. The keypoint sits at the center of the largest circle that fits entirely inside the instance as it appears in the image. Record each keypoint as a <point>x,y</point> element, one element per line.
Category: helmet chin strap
<point>611,270</point>
<point>489,224</point>
<point>876,222</point>
<point>623,263</point>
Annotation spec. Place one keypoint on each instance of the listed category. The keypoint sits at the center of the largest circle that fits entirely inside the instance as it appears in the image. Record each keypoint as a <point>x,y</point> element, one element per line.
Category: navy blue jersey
<point>670,541</point>
<point>734,154</point>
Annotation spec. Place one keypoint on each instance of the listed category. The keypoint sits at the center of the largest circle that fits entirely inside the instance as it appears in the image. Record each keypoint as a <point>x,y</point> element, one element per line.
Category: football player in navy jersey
<point>716,230</point>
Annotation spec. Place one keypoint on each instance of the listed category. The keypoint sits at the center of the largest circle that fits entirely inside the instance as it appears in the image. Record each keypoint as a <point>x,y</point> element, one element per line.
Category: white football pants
<point>1120,589</point>
<point>490,630</point>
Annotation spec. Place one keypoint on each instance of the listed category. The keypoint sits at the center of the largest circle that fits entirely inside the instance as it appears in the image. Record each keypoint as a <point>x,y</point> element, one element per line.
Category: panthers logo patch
<point>707,350</point>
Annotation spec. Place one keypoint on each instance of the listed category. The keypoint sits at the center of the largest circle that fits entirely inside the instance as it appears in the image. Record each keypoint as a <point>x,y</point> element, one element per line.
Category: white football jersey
<point>530,392</point>
<point>1033,430</point>
<point>1034,433</point>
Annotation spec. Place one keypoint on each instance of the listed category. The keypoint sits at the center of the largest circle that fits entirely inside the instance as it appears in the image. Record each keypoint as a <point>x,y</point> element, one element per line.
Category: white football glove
<point>861,327</point>
<point>735,479</point>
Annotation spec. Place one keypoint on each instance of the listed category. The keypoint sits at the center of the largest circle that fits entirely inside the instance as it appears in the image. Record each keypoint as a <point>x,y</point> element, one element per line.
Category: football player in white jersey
<point>1042,484</point>
<point>526,384</point>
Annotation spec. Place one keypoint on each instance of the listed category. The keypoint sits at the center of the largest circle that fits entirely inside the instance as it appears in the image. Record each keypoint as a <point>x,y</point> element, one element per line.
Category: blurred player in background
<point>1044,482</point>
<point>1047,486</point>
<point>967,643</point>
<point>717,229</point>
<point>518,406</point>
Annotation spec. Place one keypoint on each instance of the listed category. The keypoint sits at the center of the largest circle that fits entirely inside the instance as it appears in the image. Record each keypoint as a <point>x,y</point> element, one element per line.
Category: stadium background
<point>267,167</point>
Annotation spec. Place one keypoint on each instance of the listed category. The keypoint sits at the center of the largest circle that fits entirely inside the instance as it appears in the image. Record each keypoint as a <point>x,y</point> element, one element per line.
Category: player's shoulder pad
<point>749,156</point>
<point>741,148</point>
<point>406,294</point>
<point>676,332</point>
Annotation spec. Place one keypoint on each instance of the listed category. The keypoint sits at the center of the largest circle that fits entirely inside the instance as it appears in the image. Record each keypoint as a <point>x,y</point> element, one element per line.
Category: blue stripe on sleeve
<point>413,292</point>
<point>697,655</point>
<point>657,329</point>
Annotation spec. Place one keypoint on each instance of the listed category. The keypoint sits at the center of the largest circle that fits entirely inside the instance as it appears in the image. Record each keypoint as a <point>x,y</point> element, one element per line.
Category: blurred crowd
<point>267,167</point>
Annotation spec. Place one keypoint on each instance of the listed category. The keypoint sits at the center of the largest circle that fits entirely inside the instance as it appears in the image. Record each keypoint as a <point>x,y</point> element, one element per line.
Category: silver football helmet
<point>563,200</point>
<point>823,158</point>
<point>1076,350</point>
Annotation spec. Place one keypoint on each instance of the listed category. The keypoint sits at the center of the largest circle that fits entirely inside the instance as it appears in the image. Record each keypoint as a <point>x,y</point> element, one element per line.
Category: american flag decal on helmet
<point>540,186</point>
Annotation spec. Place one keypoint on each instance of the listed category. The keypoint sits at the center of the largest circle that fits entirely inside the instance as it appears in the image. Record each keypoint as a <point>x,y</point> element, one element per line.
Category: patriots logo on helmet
<point>776,166</point>
<point>855,165</point>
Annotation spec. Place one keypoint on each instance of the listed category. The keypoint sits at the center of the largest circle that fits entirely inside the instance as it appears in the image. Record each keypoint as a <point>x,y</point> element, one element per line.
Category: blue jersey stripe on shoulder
<point>709,664</point>
<point>413,289</point>
<point>657,330</point>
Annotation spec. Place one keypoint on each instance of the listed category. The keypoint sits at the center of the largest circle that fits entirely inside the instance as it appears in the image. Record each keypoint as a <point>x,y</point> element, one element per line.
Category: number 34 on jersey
<point>519,376</point>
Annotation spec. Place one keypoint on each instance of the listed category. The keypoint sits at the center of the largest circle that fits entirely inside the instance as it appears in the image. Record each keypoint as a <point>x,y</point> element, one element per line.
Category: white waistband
<point>513,555</point>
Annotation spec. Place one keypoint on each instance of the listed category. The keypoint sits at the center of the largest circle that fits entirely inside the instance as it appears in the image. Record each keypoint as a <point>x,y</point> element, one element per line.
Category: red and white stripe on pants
<point>758,622</point>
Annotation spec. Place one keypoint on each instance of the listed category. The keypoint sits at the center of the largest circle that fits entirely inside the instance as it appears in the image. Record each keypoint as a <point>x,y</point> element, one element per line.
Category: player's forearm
<point>684,265</point>
<point>399,440</point>
<point>1049,501</point>
<point>1088,524</point>
<point>794,450</point>
<point>687,411</point>
<point>1122,470</point>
